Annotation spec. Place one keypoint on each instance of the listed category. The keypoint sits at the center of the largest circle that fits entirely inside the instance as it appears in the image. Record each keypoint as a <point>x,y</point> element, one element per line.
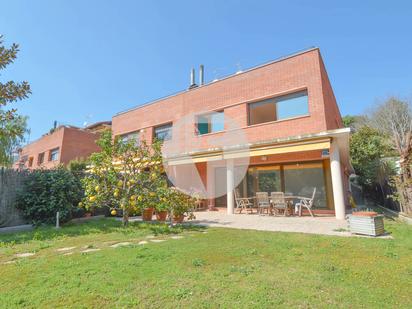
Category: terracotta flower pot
<point>161,215</point>
<point>147,214</point>
<point>178,218</point>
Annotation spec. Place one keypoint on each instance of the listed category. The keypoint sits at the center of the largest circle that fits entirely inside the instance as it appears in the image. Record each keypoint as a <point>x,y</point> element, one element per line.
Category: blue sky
<point>87,60</point>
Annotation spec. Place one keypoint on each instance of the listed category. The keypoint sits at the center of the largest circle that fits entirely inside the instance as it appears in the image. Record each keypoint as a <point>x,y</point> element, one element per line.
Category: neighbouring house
<point>293,139</point>
<point>61,145</point>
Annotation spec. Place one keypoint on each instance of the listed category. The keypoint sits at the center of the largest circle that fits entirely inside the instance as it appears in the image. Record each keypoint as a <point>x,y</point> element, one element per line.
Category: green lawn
<point>210,268</point>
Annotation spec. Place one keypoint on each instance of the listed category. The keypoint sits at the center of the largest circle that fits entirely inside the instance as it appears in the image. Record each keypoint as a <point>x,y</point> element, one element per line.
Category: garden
<point>103,264</point>
<point>124,179</point>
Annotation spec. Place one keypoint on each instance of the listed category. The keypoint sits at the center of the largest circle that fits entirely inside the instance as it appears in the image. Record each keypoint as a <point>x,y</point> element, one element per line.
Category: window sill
<point>208,134</point>
<point>276,121</point>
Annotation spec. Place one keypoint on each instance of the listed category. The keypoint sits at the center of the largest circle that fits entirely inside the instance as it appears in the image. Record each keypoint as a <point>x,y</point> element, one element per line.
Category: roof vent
<point>192,79</point>
<point>201,75</point>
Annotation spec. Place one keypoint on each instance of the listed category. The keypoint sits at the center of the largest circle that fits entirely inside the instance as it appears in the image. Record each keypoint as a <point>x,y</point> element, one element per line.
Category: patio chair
<point>307,203</point>
<point>263,203</point>
<point>278,202</point>
<point>243,203</point>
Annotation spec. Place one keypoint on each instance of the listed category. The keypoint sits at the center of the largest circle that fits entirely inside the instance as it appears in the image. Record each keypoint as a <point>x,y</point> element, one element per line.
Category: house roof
<point>219,80</point>
<point>96,124</point>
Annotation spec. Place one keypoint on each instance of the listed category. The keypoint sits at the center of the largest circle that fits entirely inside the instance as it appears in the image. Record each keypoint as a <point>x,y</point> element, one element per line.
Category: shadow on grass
<point>102,226</point>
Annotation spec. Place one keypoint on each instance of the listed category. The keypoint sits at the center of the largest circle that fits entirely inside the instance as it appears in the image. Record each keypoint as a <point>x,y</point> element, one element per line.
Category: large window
<point>302,178</point>
<point>288,106</point>
<point>164,132</point>
<point>264,179</point>
<point>296,179</point>
<point>132,136</point>
<point>54,154</point>
<point>211,122</point>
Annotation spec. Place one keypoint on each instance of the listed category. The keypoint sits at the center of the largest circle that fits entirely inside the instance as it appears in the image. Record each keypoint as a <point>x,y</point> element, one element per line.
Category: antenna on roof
<point>239,68</point>
<point>86,122</point>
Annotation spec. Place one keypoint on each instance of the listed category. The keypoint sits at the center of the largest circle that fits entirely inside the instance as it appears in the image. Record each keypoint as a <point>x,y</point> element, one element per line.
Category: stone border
<point>16,228</point>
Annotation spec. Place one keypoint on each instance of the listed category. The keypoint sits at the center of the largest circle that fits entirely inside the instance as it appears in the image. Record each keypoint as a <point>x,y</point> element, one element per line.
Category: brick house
<point>293,135</point>
<point>60,146</point>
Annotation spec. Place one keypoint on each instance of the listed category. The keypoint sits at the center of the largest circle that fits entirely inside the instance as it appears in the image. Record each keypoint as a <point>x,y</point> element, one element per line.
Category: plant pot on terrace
<point>147,214</point>
<point>161,215</point>
<point>178,218</point>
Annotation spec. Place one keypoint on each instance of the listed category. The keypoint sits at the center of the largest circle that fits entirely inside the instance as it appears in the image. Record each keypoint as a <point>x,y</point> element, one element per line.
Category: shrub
<point>77,166</point>
<point>45,192</point>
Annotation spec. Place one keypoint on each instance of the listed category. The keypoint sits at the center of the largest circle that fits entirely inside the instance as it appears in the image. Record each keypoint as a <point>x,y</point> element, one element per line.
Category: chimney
<point>201,75</point>
<point>192,79</point>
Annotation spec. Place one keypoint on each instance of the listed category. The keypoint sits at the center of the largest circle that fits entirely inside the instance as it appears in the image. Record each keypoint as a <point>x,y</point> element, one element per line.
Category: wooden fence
<point>10,182</point>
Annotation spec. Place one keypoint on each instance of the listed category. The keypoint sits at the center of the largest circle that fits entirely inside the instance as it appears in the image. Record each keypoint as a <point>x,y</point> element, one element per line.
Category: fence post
<point>57,220</point>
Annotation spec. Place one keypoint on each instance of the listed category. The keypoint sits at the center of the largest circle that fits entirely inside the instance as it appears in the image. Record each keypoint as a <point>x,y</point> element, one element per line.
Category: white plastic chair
<point>307,203</point>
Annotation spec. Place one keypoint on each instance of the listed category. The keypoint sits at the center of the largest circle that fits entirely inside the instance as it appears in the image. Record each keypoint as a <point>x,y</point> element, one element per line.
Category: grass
<point>225,268</point>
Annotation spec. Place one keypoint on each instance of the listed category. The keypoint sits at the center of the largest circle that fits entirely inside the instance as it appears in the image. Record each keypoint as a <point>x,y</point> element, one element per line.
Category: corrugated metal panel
<point>372,226</point>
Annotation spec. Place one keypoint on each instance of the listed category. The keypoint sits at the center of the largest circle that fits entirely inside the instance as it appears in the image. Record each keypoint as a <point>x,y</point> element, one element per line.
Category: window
<point>132,136</point>
<point>283,107</point>
<point>40,158</point>
<point>208,123</point>
<point>54,154</point>
<point>164,132</point>
<point>30,161</point>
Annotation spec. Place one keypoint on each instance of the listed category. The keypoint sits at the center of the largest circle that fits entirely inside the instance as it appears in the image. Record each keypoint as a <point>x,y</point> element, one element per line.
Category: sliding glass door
<point>298,179</point>
<point>302,178</point>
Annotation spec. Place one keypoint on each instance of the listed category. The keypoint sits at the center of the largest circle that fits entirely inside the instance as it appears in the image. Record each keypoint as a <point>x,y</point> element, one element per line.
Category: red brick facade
<point>304,71</point>
<point>70,142</point>
<point>232,94</point>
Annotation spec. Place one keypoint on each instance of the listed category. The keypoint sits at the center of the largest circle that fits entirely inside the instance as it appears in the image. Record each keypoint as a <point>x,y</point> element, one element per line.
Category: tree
<point>354,122</point>
<point>367,147</point>
<point>9,143</point>
<point>129,177</point>
<point>369,152</point>
<point>12,126</point>
<point>10,91</point>
<point>393,118</point>
<point>124,176</point>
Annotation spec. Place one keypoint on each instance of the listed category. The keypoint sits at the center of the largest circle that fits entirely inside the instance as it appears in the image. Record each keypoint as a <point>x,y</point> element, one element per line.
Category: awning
<point>254,152</point>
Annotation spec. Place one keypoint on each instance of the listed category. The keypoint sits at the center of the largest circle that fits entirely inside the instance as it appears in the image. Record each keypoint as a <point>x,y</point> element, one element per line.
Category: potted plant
<point>147,214</point>
<point>149,203</point>
<point>182,206</point>
<point>161,211</point>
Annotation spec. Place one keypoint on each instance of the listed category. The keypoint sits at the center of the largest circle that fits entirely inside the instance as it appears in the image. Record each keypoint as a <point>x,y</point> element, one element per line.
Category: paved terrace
<point>316,225</point>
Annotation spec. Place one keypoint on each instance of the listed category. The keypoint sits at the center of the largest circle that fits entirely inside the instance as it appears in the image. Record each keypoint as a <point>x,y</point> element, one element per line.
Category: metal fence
<point>10,182</point>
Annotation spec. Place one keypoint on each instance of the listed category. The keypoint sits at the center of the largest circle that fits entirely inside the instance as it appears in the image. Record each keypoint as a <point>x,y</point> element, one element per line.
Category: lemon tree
<point>124,176</point>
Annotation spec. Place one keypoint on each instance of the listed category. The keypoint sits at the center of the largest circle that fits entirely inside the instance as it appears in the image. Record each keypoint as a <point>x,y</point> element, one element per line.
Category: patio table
<point>289,199</point>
